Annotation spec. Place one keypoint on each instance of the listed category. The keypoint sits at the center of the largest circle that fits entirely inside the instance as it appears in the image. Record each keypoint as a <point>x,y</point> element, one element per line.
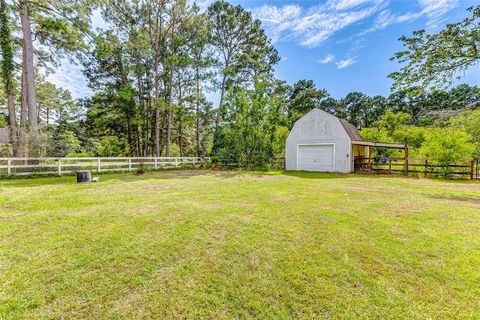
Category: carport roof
<point>380,144</point>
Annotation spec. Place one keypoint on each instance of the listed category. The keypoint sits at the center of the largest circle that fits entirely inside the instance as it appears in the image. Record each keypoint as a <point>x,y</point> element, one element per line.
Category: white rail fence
<point>62,166</point>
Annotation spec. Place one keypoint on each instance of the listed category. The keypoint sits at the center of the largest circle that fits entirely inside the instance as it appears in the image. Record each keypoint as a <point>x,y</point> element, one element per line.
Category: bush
<point>111,146</point>
<point>78,155</point>
<point>447,146</point>
<point>250,133</point>
<point>64,143</point>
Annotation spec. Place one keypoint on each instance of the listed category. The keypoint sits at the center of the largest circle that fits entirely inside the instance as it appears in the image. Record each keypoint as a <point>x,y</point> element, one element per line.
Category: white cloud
<point>342,64</point>
<point>327,59</point>
<point>434,10</point>
<point>277,21</point>
<point>69,76</point>
<point>313,26</point>
<point>346,4</point>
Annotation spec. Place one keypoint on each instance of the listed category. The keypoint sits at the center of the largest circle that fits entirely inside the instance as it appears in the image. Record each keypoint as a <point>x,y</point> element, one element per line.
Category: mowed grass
<point>231,245</point>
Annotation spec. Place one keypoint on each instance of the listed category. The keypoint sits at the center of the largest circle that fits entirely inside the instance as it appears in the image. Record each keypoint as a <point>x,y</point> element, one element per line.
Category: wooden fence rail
<point>61,166</point>
<point>467,168</point>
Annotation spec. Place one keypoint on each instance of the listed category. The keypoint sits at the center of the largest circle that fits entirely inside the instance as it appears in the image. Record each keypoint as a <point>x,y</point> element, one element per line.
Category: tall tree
<point>28,67</point>
<point>242,45</point>
<point>435,59</point>
<point>252,118</point>
<point>59,27</point>
<point>304,96</point>
<point>201,61</point>
<point>6,47</point>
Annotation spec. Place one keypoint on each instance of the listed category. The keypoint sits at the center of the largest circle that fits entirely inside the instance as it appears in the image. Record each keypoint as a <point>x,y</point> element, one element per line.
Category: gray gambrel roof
<point>351,130</point>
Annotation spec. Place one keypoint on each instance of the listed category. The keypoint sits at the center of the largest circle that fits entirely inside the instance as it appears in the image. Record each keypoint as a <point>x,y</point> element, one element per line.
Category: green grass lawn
<point>227,245</point>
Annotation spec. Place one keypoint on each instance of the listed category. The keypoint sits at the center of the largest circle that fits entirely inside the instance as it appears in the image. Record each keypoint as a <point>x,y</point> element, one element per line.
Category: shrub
<point>447,146</point>
<point>111,146</point>
<point>78,155</point>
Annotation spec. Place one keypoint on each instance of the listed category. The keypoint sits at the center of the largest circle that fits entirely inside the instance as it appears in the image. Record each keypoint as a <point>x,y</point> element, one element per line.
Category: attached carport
<point>363,163</point>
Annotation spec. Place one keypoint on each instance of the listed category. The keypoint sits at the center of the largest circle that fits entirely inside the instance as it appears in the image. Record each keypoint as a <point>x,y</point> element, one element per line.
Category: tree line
<point>157,66</point>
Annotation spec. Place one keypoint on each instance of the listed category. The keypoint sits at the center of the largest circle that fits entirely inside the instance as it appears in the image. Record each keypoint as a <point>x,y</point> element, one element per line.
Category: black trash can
<point>84,176</point>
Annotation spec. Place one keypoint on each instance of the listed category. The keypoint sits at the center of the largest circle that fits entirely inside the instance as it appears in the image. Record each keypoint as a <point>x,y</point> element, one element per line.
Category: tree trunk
<point>12,123</point>
<point>197,113</point>
<point>180,118</point>
<point>29,68</point>
<point>169,116</point>
<point>22,150</point>
<point>157,109</point>
<point>7,70</point>
<point>180,129</point>
<point>222,93</point>
<point>170,94</point>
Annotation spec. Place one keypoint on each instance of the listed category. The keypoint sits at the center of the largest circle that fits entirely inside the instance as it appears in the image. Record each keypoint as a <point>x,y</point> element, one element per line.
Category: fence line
<point>470,168</point>
<point>61,166</point>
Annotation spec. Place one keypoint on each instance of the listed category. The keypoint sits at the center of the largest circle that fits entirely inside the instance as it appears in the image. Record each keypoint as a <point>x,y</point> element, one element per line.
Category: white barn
<point>320,141</point>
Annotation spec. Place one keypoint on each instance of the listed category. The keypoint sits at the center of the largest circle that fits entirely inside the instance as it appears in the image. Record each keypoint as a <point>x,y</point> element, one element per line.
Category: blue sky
<point>343,45</point>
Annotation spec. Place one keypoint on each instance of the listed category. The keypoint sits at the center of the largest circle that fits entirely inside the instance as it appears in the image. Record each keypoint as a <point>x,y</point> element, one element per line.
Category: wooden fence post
<point>476,170</point>
<point>390,166</point>
<point>156,163</point>
<point>98,165</point>
<point>176,162</point>
<point>129,164</point>
<point>370,167</point>
<point>426,168</point>
<point>59,168</point>
<point>472,167</point>
<point>9,166</point>
<point>406,159</point>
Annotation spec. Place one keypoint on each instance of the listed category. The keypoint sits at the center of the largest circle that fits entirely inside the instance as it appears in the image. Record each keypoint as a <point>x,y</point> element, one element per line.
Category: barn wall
<point>318,126</point>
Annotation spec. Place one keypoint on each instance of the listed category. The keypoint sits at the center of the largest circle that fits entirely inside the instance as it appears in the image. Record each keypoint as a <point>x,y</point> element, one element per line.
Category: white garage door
<point>315,157</point>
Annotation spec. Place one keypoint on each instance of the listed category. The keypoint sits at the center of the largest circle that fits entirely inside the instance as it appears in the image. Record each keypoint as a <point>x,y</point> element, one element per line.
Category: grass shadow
<point>316,175</point>
<point>185,174</point>
<point>167,174</point>
<point>469,199</point>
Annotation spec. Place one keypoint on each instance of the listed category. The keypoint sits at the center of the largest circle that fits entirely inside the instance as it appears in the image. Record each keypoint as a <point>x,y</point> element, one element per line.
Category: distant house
<point>320,141</point>
<point>5,146</point>
<point>4,136</point>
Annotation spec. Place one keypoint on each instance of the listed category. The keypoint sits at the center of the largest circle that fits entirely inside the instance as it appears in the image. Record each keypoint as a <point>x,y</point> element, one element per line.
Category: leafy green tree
<point>304,96</point>
<point>391,122</point>
<point>464,96</point>
<point>447,146</point>
<point>250,127</point>
<point>59,27</point>
<point>395,128</point>
<point>111,146</point>
<point>470,122</point>
<point>242,45</point>
<point>435,59</point>
<point>361,110</point>
<point>7,68</point>
<point>63,143</point>
<point>202,61</point>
